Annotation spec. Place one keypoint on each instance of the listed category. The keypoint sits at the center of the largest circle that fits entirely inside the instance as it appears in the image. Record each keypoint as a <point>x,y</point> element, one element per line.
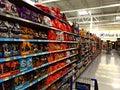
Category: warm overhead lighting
<point>117,17</point>
<point>48,1</point>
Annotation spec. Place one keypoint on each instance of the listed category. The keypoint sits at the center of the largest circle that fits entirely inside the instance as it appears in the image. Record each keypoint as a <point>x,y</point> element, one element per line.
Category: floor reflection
<point>106,69</point>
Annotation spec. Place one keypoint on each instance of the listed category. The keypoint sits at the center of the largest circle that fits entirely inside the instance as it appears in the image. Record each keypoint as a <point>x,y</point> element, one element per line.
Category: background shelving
<point>118,46</point>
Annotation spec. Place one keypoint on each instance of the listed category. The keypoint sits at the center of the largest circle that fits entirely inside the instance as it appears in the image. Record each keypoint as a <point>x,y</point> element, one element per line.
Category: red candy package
<point>63,46</point>
<point>51,35</point>
<point>68,27</point>
<point>66,37</point>
<point>43,7</point>
<point>50,58</point>
<point>56,12</point>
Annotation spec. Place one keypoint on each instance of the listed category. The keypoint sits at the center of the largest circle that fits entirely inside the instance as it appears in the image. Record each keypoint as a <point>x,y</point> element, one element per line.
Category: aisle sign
<point>110,35</point>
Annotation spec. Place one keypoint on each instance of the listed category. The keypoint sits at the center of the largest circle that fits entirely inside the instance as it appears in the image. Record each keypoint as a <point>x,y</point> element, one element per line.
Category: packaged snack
<point>27,33</point>
<point>51,35</point>
<point>43,7</point>
<point>14,67</point>
<point>4,29</point>
<point>34,48</point>
<point>42,35</point>
<point>6,85</point>
<point>43,59</point>
<point>6,50</point>
<point>25,48</point>
<point>8,8</point>
<point>30,76</point>
<point>42,47</point>
<point>23,65</point>
<point>29,63</point>
<point>56,12</point>
<point>33,16</point>
<point>5,69</point>
<point>47,21</point>
<point>19,82</point>
<point>24,13</point>
<point>15,49</point>
<point>36,61</point>
<point>15,31</point>
<point>50,58</point>
<point>66,37</point>
<point>2,6</point>
<point>40,18</point>
<point>63,17</point>
<point>43,71</point>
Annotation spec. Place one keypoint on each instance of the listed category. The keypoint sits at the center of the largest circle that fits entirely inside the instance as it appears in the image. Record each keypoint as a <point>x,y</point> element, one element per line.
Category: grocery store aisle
<point>106,69</point>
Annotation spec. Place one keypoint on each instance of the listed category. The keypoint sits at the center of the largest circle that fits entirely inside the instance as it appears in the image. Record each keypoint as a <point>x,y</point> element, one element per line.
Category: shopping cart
<point>86,84</point>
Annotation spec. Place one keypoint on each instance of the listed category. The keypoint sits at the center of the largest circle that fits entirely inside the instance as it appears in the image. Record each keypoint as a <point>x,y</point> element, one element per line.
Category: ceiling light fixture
<point>83,13</point>
<point>92,8</point>
<point>99,15</point>
<point>89,12</point>
<point>49,1</point>
<point>117,17</point>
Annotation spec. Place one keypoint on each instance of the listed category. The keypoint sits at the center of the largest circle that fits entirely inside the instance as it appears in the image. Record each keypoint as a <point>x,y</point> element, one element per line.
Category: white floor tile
<point>106,69</point>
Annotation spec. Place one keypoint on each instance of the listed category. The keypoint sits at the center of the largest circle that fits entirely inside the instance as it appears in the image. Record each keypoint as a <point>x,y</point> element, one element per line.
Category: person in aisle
<point>108,47</point>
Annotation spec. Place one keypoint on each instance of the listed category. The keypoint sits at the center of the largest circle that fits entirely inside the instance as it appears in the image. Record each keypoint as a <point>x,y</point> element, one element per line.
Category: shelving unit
<point>118,45</point>
<point>90,48</point>
<point>42,62</point>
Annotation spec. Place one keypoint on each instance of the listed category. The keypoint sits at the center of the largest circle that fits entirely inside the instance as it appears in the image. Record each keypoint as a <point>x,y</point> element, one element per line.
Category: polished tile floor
<point>106,69</point>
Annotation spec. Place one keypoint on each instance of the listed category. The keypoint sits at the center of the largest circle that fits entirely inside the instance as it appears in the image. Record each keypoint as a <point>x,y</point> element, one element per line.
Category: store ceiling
<point>102,11</point>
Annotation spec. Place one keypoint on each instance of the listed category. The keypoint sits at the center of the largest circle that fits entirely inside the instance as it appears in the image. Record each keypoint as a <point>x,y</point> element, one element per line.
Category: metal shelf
<point>41,78</point>
<point>35,68</point>
<point>32,40</point>
<point>59,77</point>
<point>34,8</point>
<point>29,23</point>
<point>32,55</point>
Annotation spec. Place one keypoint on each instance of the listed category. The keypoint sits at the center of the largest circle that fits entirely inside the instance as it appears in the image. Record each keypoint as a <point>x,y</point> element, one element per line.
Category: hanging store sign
<point>110,35</point>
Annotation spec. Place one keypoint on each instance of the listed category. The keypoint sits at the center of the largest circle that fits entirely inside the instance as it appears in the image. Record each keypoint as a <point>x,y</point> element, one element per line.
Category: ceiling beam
<point>99,15</point>
<point>107,23</point>
<point>88,22</point>
<point>92,8</point>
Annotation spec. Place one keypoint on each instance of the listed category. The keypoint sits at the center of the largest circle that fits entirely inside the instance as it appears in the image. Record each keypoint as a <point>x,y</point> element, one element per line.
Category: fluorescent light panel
<point>82,12</point>
<point>48,1</point>
<point>117,17</point>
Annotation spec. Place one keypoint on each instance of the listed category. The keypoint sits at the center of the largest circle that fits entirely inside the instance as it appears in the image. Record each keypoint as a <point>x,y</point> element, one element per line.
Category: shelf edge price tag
<point>6,78</point>
<point>23,73</point>
<point>23,40</point>
<point>30,84</point>
<point>7,59</point>
<point>14,39</point>
<point>39,40</point>
<point>7,15</point>
<point>14,58</point>
<point>24,56</point>
<point>39,79</point>
<point>35,54</point>
<point>35,68</point>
